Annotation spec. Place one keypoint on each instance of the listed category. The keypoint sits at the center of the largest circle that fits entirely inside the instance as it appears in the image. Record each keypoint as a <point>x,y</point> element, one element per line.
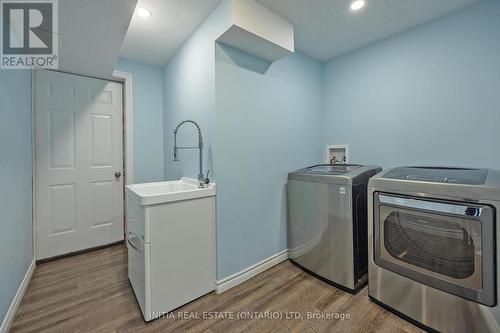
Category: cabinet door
<point>137,253</point>
<point>182,252</point>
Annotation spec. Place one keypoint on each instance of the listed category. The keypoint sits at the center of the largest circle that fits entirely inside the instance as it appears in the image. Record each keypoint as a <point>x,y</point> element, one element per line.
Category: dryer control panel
<point>450,175</point>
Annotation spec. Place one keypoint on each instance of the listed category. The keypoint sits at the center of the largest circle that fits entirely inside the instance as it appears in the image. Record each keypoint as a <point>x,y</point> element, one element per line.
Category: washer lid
<point>439,175</point>
<point>331,169</point>
<point>340,174</point>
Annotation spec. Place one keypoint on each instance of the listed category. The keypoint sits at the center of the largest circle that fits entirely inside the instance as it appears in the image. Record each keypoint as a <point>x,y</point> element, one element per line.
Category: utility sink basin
<point>171,243</point>
<point>169,191</point>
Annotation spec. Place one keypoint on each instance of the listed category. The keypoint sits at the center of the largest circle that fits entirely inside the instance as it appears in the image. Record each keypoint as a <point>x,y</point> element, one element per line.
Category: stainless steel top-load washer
<point>327,222</point>
<point>433,253</point>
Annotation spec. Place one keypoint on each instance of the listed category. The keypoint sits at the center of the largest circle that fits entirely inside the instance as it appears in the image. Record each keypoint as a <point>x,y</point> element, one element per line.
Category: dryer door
<point>445,245</point>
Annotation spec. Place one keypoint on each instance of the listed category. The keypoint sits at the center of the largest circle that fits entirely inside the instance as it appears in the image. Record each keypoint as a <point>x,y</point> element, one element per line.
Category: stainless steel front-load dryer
<point>433,252</point>
<point>327,222</point>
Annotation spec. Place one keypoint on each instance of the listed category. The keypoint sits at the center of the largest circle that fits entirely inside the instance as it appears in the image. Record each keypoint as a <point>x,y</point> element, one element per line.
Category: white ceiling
<point>155,39</point>
<point>325,29</point>
<point>91,35</point>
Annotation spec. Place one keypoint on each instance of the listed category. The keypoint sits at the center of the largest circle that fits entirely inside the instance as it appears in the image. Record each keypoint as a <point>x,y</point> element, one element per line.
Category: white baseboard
<point>11,313</point>
<point>249,272</point>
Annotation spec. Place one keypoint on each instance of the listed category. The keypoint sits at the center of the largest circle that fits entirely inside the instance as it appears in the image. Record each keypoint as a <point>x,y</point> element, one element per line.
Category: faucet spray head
<point>176,157</point>
<point>176,150</point>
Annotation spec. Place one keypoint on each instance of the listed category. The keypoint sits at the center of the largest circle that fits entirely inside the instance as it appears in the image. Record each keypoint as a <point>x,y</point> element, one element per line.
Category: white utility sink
<point>169,191</point>
<point>171,243</point>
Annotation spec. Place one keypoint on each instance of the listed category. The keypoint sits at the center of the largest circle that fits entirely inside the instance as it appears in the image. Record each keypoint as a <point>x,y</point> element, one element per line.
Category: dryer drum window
<point>445,245</point>
<point>434,244</point>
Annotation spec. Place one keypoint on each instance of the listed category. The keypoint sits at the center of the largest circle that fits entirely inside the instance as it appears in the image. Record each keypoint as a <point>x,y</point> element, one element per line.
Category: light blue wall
<point>196,88</point>
<point>267,125</point>
<point>16,251</point>
<point>430,95</point>
<point>189,93</point>
<point>147,97</point>
<point>426,96</point>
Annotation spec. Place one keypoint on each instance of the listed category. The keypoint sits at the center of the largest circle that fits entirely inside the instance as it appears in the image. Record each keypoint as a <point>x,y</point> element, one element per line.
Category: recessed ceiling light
<point>357,5</point>
<point>143,12</point>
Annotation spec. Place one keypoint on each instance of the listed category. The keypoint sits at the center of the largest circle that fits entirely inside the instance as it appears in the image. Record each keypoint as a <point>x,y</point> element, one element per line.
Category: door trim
<point>126,79</point>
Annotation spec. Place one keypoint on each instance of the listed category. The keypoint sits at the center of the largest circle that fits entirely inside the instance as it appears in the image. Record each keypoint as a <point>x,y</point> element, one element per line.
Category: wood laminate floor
<point>90,293</point>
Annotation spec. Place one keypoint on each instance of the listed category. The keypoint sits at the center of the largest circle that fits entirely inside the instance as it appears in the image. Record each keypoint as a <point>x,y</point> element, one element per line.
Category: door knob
<point>118,174</point>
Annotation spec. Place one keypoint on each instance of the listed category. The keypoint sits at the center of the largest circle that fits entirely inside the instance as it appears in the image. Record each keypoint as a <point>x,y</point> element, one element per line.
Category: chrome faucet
<point>202,181</point>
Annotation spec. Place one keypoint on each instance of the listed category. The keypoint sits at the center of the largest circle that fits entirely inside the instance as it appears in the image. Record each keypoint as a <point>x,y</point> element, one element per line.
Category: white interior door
<point>78,150</point>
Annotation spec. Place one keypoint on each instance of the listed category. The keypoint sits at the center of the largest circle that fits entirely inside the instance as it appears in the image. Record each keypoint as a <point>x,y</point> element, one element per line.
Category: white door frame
<point>126,79</point>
